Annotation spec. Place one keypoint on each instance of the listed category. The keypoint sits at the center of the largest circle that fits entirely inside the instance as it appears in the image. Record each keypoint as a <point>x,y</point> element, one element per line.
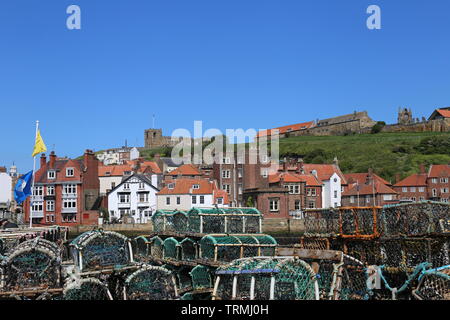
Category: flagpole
<point>32,184</point>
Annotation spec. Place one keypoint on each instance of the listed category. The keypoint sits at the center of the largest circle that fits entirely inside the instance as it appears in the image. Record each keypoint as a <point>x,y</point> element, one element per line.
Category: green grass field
<point>386,153</point>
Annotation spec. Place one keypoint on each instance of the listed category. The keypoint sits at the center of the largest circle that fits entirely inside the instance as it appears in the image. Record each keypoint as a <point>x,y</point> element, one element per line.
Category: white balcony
<point>69,210</point>
<point>69,195</point>
<point>124,205</point>
<point>37,214</point>
<point>143,204</point>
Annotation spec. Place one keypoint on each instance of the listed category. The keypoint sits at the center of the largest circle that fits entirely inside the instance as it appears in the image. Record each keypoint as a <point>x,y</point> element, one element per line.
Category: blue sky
<point>232,64</point>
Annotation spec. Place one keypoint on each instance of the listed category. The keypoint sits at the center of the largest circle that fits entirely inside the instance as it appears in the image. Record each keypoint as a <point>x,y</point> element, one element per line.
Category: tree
<point>378,127</point>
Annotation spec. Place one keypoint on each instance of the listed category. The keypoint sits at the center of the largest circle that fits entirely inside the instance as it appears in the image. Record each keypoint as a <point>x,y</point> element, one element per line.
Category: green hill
<point>386,153</point>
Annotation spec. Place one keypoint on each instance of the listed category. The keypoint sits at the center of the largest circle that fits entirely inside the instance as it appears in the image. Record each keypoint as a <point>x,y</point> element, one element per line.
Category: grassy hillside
<point>386,153</point>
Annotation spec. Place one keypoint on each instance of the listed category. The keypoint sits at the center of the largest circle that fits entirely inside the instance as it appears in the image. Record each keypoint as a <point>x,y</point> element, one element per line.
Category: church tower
<point>405,116</point>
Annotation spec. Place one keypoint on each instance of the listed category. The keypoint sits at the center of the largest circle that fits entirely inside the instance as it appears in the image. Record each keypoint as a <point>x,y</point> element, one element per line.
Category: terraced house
<point>433,184</point>
<point>186,193</point>
<point>66,191</point>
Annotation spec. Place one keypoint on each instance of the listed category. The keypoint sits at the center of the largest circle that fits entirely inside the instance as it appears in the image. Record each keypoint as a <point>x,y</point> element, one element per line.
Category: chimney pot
<point>43,160</point>
<point>52,159</point>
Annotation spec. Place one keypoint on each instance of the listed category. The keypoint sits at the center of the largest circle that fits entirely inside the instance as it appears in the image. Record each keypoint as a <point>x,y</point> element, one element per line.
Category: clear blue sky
<point>231,63</point>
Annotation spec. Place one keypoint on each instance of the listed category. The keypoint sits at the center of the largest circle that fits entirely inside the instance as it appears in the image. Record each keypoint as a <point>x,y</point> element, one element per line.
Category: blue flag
<point>23,187</point>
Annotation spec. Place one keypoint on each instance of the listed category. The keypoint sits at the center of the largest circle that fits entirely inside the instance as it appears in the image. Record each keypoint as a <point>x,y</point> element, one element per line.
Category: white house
<point>331,192</point>
<point>185,193</point>
<point>135,196</point>
<point>118,155</point>
<point>5,188</point>
<point>332,182</point>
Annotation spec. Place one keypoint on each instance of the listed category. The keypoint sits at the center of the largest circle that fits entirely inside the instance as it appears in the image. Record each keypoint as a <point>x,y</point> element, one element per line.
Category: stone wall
<point>427,126</point>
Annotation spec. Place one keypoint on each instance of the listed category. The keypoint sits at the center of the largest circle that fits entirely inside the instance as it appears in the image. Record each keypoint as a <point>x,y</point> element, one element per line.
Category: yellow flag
<point>39,145</point>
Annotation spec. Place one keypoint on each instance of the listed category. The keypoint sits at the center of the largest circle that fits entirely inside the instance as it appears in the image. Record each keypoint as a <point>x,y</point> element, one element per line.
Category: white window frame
<point>51,174</point>
<point>50,205</point>
<point>70,172</point>
<point>274,205</point>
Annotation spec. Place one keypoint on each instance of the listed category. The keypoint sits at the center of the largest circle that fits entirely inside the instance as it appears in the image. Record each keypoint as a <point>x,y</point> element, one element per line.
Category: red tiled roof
<point>289,177</point>
<point>361,178</point>
<point>185,186</point>
<point>438,170</point>
<point>221,194</point>
<point>113,170</point>
<point>60,165</point>
<point>444,112</point>
<point>368,189</point>
<point>289,128</point>
<point>418,179</point>
<point>186,170</point>
<point>119,170</point>
<point>325,171</point>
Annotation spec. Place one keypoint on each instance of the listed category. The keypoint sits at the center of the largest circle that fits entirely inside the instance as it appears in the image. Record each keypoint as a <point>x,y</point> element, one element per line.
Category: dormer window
<point>127,173</point>
<point>51,174</point>
<point>69,172</point>
<point>171,185</point>
<point>195,186</point>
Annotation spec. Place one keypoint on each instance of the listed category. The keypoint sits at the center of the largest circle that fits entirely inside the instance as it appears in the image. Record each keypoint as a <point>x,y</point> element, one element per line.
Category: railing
<point>69,210</point>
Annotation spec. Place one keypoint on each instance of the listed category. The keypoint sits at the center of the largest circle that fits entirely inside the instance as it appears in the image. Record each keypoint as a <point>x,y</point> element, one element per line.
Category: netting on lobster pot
<point>434,284</point>
<point>281,278</point>
<point>225,220</point>
<point>163,220</point>
<point>171,249</point>
<point>230,247</point>
<point>415,219</point>
<point>220,248</point>
<point>366,250</point>
<point>321,222</point>
<point>141,248</point>
<point>202,277</point>
<point>354,278</point>
<point>86,289</point>
<point>99,249</point>
<point>32,264</point>
<point>150,283</point>
<point>180,222</point>
<point>182,276</point>
<point>156,247</point>
<point>188,249</point>
<point>314,243</point>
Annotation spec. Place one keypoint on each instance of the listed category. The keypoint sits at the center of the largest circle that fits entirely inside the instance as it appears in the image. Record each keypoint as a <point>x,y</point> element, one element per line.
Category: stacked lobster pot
<point>405,245</point>
<point>32,270</point>
<point>193,244</point>
<point>105,269</point>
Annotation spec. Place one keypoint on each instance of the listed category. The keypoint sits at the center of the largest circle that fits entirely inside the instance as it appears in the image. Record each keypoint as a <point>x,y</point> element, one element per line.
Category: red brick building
<point>66,191</point>
<point>237,174</point>
<point>432,185</point>
<point>366,190</point>
<point>287,192</point>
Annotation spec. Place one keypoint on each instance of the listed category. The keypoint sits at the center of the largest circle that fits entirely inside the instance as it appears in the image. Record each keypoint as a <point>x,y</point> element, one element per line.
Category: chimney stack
<point>88,157</point>
<point>52,159</point>
<point>422,168</point>
<point>43,160</point>
<point>300,166</point>
<point>336,161</point>
<point>285,165</point>
<point>397,178</point>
